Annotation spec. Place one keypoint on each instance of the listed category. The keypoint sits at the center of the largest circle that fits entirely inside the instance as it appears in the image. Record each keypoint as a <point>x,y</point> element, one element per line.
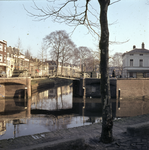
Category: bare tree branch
<point>115,2</point>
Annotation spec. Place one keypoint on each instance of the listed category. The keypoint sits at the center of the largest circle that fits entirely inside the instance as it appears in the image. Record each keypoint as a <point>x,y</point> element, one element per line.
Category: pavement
<point>129,134</point>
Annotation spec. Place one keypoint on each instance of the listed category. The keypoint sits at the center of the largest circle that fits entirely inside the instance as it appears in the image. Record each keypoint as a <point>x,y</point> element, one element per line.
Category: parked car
<point>3,74</point>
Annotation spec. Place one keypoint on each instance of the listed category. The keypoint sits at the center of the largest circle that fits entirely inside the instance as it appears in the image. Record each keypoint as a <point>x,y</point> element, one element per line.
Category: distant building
<point>35,67</point>
<point>17,63</point>
<point>52,66</point>
<point>136,63</point>
<point>117,70</point>
<point>38,68</point>
<point>3,56</point>
<point>65,69</point>
<point>10,61</point>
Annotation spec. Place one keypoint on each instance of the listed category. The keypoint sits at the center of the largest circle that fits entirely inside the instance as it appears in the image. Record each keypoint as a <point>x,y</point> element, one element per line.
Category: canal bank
<point>129,133</point>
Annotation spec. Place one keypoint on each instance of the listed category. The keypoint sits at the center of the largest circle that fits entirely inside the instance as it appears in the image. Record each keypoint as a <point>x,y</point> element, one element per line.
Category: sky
<point>128,21</point>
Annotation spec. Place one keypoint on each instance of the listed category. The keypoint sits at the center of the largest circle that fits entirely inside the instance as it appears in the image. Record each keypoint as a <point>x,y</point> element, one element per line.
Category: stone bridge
<point>16,87</point>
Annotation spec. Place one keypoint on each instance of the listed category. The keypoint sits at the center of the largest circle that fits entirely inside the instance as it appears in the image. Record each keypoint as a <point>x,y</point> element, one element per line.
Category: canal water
<point>55,109</point>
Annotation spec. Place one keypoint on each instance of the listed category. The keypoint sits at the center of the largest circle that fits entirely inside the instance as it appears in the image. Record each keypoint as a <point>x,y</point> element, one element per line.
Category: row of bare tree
<point>62,49</point>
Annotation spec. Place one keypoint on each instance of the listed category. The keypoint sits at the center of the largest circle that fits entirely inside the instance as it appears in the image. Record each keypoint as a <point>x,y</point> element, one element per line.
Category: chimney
<point>134,46</point>
<point>5,41</point>
<point>142,45</point>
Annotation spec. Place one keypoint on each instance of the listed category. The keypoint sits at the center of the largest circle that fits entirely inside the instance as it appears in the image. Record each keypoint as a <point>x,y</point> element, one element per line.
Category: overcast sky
<point>131,17</point>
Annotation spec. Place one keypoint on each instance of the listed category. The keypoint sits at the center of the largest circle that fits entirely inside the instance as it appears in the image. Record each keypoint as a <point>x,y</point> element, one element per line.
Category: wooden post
<point>119,95</point>
<point>25,93</point>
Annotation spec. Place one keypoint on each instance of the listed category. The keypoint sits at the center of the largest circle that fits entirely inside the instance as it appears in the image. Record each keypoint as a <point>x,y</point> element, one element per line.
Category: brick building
<point>3,56</point>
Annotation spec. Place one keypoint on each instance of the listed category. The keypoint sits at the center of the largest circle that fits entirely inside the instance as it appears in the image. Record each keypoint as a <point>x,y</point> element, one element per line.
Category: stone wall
<point>15,87</point>
<point>129,107</point>
<point>133,88</point>
<point>92,86</point>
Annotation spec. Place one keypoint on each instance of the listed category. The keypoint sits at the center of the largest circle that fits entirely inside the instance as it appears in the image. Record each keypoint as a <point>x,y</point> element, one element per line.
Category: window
<point>5,48</point>
<point>8,62</point>
<point>131,54</point>
<point>131,74</point>
<point>141,54</point>
<point>7,54</point>
<point>141,63</point>
<point>1,58</point>
<point>1,47</point>
<point>5,58</point>
<point>131,62</point>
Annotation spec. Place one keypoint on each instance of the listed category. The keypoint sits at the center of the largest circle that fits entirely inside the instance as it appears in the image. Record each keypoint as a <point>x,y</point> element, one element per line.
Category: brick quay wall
<point>120,88</point>
<point>133,88</point>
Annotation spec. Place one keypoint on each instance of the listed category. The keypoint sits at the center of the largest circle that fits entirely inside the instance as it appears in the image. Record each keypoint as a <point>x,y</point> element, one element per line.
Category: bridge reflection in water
<point>56,108</point>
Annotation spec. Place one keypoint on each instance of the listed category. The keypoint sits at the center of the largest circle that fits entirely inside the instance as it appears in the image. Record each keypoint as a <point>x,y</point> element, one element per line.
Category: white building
<point>136,63</point>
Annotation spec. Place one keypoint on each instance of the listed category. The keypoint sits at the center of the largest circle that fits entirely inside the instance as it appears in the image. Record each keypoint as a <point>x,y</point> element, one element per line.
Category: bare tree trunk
<point>107,122</point>
<point>62,69</point>
<point>57,67</point>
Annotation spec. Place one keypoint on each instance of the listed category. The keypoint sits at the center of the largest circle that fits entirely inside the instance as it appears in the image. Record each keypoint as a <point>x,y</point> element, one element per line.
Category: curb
<point>63,144</point>
<point>140,128</point>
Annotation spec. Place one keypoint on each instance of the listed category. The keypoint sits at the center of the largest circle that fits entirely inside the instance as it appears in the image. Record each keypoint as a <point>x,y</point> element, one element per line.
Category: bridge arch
<point>8,86</point>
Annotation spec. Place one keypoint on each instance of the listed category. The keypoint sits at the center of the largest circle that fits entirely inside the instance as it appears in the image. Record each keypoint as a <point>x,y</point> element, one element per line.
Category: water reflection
<point>56,109</point>
<point>129,107</point>
<point>13,112</point>
<point>53,99</point>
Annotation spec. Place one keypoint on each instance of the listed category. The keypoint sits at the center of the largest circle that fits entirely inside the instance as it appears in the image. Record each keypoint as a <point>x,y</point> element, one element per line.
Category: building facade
<point>15,64</point>
<point>16,61</point>
<point>52,67</point>
<point>38,68</point>
<point>136,63</point>
<point>10,61</point>
<point>3,56</point>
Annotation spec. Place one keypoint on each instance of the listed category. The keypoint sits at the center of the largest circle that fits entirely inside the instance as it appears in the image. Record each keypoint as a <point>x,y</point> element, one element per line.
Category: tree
<point>95,59</point>
<point>28,53</point>
<point>53,42</point>
<point>42,56</point>
<point>19,45</point>
<point>107,124</point>
<point>42,53</point>
<point>116,61</point>
<point>67,49</point>
<point>60,46</point>
<point>81,55</point>
<point>77,16</point>
<point>75,57</point>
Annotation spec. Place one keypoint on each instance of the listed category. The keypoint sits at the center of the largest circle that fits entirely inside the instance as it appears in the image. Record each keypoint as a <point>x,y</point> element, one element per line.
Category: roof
<point>4,42</point>
<point>51,62</point>
<point>136,51</point>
